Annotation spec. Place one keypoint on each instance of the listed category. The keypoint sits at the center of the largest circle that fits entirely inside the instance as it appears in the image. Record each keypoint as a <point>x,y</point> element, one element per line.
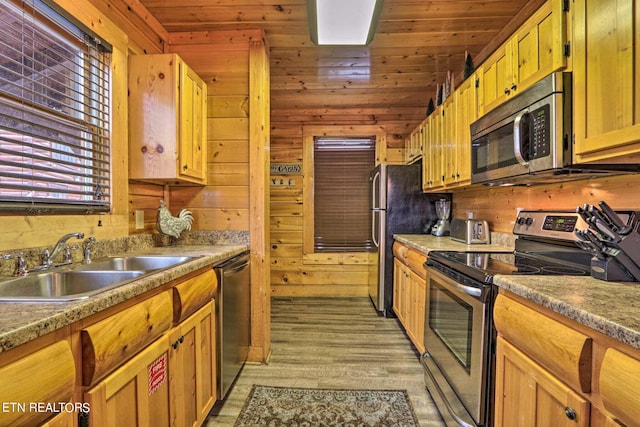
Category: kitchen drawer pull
<point>570,413</point>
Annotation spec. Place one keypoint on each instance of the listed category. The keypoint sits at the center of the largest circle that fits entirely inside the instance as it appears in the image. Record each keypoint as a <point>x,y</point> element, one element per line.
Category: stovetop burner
<point>483,266</point>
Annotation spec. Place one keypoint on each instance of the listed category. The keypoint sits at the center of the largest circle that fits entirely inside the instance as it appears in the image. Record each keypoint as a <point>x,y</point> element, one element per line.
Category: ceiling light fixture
<point>343,22</point>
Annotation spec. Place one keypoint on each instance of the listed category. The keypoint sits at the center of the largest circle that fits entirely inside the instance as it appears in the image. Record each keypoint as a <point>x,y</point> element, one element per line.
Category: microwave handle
<point>517,142</point>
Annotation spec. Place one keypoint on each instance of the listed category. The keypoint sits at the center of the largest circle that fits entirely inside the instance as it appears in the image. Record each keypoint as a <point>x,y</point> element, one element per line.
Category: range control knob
<point>529,221</point>
<point>520,220</point>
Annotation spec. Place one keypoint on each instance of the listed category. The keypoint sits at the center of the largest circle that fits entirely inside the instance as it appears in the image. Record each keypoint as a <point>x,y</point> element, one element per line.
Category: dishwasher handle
<point>235,268</point>
<point>234,264</point>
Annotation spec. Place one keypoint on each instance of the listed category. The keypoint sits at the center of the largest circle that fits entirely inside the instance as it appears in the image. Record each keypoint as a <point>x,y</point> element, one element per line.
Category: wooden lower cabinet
<point>135,394</point>
<point>44,377</point>
<point>169,383</point>
<point>409,290</point>
<point>529,396</point>
<point>64,419</point>
<point>192,374</point>
<point>553,371</point>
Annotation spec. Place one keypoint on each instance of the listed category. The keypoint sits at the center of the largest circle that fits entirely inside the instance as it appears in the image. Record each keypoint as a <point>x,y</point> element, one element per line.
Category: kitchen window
<point>54,112</point>
<point>342,217</point>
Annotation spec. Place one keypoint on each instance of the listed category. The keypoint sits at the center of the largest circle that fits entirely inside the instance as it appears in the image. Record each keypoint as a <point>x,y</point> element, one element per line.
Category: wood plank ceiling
<point>387,83</point>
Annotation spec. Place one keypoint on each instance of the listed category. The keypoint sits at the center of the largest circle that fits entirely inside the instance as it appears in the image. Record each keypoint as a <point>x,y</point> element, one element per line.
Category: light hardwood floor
<point>333,343</point>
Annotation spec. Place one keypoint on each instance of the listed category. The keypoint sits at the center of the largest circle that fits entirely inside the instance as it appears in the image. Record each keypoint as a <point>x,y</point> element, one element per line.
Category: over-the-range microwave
<point>528,139</point>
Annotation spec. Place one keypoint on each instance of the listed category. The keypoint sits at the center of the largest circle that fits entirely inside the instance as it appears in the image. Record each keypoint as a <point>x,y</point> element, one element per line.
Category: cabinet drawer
<point>563,351</point>
<point>400,251</point>
<point>620,385</point>
<point>416,260</point>
<point>46,376</point>
<point>110,342</point>
<point>192,294</point>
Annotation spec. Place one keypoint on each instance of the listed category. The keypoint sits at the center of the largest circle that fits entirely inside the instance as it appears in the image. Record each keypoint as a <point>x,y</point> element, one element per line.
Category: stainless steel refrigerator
<point>398,206</point>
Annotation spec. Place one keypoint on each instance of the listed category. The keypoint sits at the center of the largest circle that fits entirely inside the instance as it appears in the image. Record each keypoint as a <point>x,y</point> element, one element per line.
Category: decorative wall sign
<point>286,168</point>
<point>282,182</point>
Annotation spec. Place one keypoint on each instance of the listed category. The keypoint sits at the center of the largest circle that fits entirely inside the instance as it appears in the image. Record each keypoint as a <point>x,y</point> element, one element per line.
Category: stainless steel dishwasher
<point>233,308</point>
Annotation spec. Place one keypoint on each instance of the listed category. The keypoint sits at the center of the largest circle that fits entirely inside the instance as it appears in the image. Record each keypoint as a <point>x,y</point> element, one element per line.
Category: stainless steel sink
<point>63,285</point>
<point>135,262</point>
<point>84,280</point>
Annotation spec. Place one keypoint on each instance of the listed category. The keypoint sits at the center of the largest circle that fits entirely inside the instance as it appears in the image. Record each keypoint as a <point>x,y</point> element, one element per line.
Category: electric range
<point>459,335</point>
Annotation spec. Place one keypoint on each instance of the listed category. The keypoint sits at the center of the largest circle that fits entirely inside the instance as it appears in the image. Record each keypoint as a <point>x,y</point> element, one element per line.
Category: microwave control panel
<point>539,133</point>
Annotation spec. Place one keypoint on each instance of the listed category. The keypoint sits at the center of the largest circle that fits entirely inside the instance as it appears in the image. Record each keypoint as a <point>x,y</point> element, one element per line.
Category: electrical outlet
<point>139,219</point>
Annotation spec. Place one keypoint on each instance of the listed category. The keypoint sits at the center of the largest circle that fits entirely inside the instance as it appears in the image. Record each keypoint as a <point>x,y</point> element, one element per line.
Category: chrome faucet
<point>21,264</point>
<point>48,257</point>
<point>87,246</point>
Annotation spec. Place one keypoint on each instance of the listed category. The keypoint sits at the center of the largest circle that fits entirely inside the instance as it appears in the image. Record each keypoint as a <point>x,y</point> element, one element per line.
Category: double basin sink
<point>81,281</point>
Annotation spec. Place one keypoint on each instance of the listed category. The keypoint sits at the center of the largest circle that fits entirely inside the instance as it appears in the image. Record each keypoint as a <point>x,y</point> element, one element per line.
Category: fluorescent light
<point>343,22</point>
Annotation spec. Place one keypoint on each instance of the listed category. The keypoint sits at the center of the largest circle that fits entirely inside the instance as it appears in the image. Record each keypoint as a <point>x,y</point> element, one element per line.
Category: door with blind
<point>342,194</point>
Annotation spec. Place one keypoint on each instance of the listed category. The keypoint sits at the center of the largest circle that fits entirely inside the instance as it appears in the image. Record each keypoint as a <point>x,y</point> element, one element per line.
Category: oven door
<point>456,338</point>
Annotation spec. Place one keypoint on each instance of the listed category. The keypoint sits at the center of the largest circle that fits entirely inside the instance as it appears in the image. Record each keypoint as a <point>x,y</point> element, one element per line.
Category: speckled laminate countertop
<point>427,243</point>
<point>612,308</point>
<point>21,322</point>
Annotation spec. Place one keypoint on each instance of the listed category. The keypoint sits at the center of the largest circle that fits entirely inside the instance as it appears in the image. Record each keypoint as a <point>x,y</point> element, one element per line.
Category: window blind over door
<point>342,193</point>
<point>54,112</point>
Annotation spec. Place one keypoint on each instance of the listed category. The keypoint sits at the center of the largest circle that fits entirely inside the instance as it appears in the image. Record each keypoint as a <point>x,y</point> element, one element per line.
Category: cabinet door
<point>397,284</point>
<point>538,46</point>
<point>466,113</point>
<point>44,376</point>
<point>435,150</point>
<point>136,394</point>
<point>529,396</point>
<point>449,141</point>
<point>606,79</point>
<point>64,419</point>
<point>497,77</point>
<point>193,94</point>
<point>426,152</point>
<point>191,361</point>
<point>418,289</point>
<point>400,290</point>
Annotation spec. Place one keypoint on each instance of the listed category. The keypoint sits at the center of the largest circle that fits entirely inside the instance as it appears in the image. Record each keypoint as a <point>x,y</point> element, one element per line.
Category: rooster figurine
<point>171,225</point>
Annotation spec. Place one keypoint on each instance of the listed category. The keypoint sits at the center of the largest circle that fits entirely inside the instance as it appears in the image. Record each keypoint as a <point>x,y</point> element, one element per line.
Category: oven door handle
<point>469,290</point>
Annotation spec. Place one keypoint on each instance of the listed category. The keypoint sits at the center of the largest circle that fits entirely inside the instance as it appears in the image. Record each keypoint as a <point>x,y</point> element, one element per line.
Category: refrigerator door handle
<point>375,198</point>
<point>374,228</point>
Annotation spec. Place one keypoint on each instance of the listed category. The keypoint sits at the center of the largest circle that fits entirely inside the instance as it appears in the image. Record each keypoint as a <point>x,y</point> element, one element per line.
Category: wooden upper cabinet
<point>606,75</point>
<point>466,113</point>
<point>433,157</point>
<point>167,120</point>
<point>534,51</point>
<point>413,145</point>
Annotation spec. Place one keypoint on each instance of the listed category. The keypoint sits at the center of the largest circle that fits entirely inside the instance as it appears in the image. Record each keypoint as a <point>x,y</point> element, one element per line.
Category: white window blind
<point>342,216</point>
<point>54,112</point>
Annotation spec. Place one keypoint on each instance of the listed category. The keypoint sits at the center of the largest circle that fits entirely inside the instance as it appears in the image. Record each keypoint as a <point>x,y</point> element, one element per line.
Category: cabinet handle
<point>506,91</point>
<point>513,86</point>
<point>177,342</point>
<point>570,413</point>
<point>185,167</point>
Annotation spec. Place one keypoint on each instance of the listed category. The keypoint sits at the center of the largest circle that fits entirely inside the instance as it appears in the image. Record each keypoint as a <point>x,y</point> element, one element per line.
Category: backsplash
<point>136,243</point>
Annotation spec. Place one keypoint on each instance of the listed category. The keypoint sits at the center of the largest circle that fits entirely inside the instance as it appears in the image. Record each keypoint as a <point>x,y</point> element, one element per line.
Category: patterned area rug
<point>282,406</point>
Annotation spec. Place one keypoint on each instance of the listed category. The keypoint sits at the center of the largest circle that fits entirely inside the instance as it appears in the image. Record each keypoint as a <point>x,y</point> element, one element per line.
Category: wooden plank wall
<point>222,61</point>
<point>292,272</point>
<point>499,205</point>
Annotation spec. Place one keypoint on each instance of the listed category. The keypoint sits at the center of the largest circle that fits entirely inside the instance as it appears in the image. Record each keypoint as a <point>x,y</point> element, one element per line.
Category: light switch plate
<point>139,219</point>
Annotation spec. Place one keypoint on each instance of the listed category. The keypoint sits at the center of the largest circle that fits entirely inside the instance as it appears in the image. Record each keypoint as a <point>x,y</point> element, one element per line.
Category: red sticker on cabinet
<point>157,373</point>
